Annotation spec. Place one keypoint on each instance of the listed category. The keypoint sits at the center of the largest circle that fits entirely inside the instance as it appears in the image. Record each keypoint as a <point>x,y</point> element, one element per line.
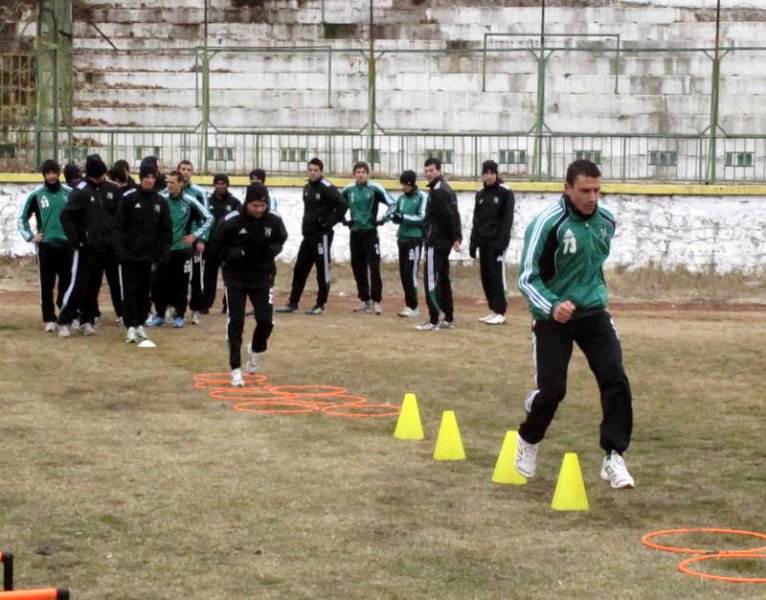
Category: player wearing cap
<point>490,236</point>
<point>247,241</point>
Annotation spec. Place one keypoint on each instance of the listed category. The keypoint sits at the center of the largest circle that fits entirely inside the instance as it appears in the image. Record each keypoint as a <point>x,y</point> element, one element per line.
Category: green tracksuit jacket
<point>564,252</point>
<point>46,206</point>
<point>187,216</point>
<point>363,201</point>
<point>412,209</point>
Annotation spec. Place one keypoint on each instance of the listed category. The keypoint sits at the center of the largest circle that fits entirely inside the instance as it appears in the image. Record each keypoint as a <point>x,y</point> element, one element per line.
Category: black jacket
<point>441,225</point>
<point>323,207</point>
<point>143,228</point>
<point>222,206</point>
<point>88,217</point>
<point>493,218</point>
<point>247,247</point>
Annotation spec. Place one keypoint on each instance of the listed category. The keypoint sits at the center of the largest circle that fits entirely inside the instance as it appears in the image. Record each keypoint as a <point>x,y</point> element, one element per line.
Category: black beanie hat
<point>72,171</point>
<point>257,191</point>
<point>50,166</point>
<point>408,178</point>
<point>222,177</point>
<point>94,166</point>
<point>489,166</point>
<point>147,169</point>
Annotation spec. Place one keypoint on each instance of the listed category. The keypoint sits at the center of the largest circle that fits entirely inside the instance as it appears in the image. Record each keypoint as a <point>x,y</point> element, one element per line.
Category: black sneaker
<point>317,310</point>
<point>287,308</point>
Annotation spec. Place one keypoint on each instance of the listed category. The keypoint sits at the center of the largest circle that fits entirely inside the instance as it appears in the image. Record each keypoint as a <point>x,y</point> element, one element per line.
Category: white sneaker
<point>64,331</point>
<point>236,378</point>
<point>50,327</point>
<point>487,317</point>
<point>526,457</point>
<point>363,307</point>
<point>446,324</point>
<point>614,471</point>
<point>408,312</point>
<point>196,318</point>
<point>376,308</point>
<point>496,319</point>
<point>427,326</point>
<point>75,326</point>
<point>170,313</point>
<point>253,360</point>
<point>131,338</point>
<point>97,321</point>
<point>140,333</point>
<point>88,329</point>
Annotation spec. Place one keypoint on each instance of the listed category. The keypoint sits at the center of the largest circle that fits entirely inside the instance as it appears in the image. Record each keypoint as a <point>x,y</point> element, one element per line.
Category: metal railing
<point>679,158</point>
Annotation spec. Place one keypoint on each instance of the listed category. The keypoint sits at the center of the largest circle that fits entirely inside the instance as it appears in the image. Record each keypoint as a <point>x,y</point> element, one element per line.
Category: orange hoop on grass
<point>683,566</point>
<point>646,540</point>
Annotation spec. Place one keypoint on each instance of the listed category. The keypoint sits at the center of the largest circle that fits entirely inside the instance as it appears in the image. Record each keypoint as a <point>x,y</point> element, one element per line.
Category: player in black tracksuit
<point>88,220</point>
<point>442,233</point>
<point>490,235</point>
<point>247,241</point>
<point>323,208</point>
<point>143,237</point>
<point>220,203</point>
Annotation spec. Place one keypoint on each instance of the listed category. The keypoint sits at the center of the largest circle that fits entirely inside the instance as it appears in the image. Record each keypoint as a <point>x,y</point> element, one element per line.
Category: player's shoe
<point>50,327</point>
<point>364,306</point>
<point>155,321</point>
<point>446,324</point>
<point>88,329</point>
<point>170,313</point>
<point>486,318</point>
<point>178,322</point>
<point>496,319</point>
<point>317,310</point>
<point>253,360</point>
<point>131,337</point>
<point>141,334</point>
<point>196,317</point>
<point>236,378</point>
<point>427,326</point>
<point>377,309</point>
<point>614,471</point>
<point>65,331</point>
<point>526,457</point>
<point>408,312</point>
<point>287,308</point>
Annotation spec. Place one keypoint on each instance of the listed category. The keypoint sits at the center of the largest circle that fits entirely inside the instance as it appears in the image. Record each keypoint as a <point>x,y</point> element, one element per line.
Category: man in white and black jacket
<point>144,233</point>
<point>490,235</point>
<point>442,233</point>
<point>323,208</point>
<point>247,241</point>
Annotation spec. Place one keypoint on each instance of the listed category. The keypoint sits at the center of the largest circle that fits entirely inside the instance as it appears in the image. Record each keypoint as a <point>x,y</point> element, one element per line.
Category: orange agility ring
<point>202,380</point>
<point>683,566</point>
<point>646,540</point>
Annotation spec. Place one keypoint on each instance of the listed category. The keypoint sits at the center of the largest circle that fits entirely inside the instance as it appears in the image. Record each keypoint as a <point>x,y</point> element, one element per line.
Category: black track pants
<point>313,252</point>
<point>409,265</point>
<point>236,300</point>
<point>365,263</point>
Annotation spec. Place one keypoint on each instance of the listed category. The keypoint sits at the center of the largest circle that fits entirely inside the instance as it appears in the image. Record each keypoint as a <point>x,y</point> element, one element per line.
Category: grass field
<point>120,479</point>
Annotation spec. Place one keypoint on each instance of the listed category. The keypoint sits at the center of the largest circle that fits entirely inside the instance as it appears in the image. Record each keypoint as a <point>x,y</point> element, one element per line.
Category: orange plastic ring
<point>205,379</point>
<point>646,540</point>
<point>339,410</point>
<point>273,407</point>
<point>243,394</point>
<point>309,390</point>
<point>683,566</point>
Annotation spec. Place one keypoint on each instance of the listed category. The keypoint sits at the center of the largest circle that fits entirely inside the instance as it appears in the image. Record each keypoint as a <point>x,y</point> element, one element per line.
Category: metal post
<point>714,96</point>
<point>205,95</point>
<point>371,106</point>
<point>537,166</point>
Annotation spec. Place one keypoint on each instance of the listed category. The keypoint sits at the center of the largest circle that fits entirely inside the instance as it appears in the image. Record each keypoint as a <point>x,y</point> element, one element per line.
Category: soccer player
<point>323,208</point>
<point>561,276</point>
<point>364,197</point>
<point>409,213</point>
<point>220,204</point>
<point>490,235</point>
<point>197,303</point>
<point>442,234</point>
<point>143,237</point>
<point>259,176</point>
<point>190,221</point>
<point>247,241</point>
<point>54,256</point>
<point>88,220</point>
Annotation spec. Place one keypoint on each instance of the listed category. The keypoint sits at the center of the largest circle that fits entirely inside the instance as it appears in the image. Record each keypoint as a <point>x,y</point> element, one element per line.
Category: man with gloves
<point>490,236</point>
<point>247,241</point>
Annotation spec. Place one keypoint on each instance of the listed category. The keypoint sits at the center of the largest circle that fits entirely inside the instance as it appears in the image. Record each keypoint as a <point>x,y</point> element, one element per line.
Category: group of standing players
<point>162,233</point>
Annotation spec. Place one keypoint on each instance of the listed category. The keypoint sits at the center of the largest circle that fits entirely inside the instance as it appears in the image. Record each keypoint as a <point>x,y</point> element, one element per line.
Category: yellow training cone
<point>505,468</point>
<point>408,425</point>
<point>570,488</point>
<point>449,446</point>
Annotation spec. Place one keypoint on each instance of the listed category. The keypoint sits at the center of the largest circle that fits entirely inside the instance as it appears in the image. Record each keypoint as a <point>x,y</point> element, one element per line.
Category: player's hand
<point>563,311</point>
<point>200,247</point>
<point>456,245</point>
<point>188,240</point>
<point>38,237</point>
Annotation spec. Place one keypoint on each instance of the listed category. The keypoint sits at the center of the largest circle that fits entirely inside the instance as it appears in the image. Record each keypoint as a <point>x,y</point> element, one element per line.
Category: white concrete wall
<point>716,234</point>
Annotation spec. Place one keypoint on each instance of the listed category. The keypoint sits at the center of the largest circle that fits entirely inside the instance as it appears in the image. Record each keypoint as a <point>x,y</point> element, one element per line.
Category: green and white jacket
<point>563,257</point>
<point>363,202</point>
<point>46,206</point>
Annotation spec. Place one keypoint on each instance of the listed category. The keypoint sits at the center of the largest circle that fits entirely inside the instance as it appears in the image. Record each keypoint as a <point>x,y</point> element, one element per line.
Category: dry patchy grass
<point>121,480</point>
